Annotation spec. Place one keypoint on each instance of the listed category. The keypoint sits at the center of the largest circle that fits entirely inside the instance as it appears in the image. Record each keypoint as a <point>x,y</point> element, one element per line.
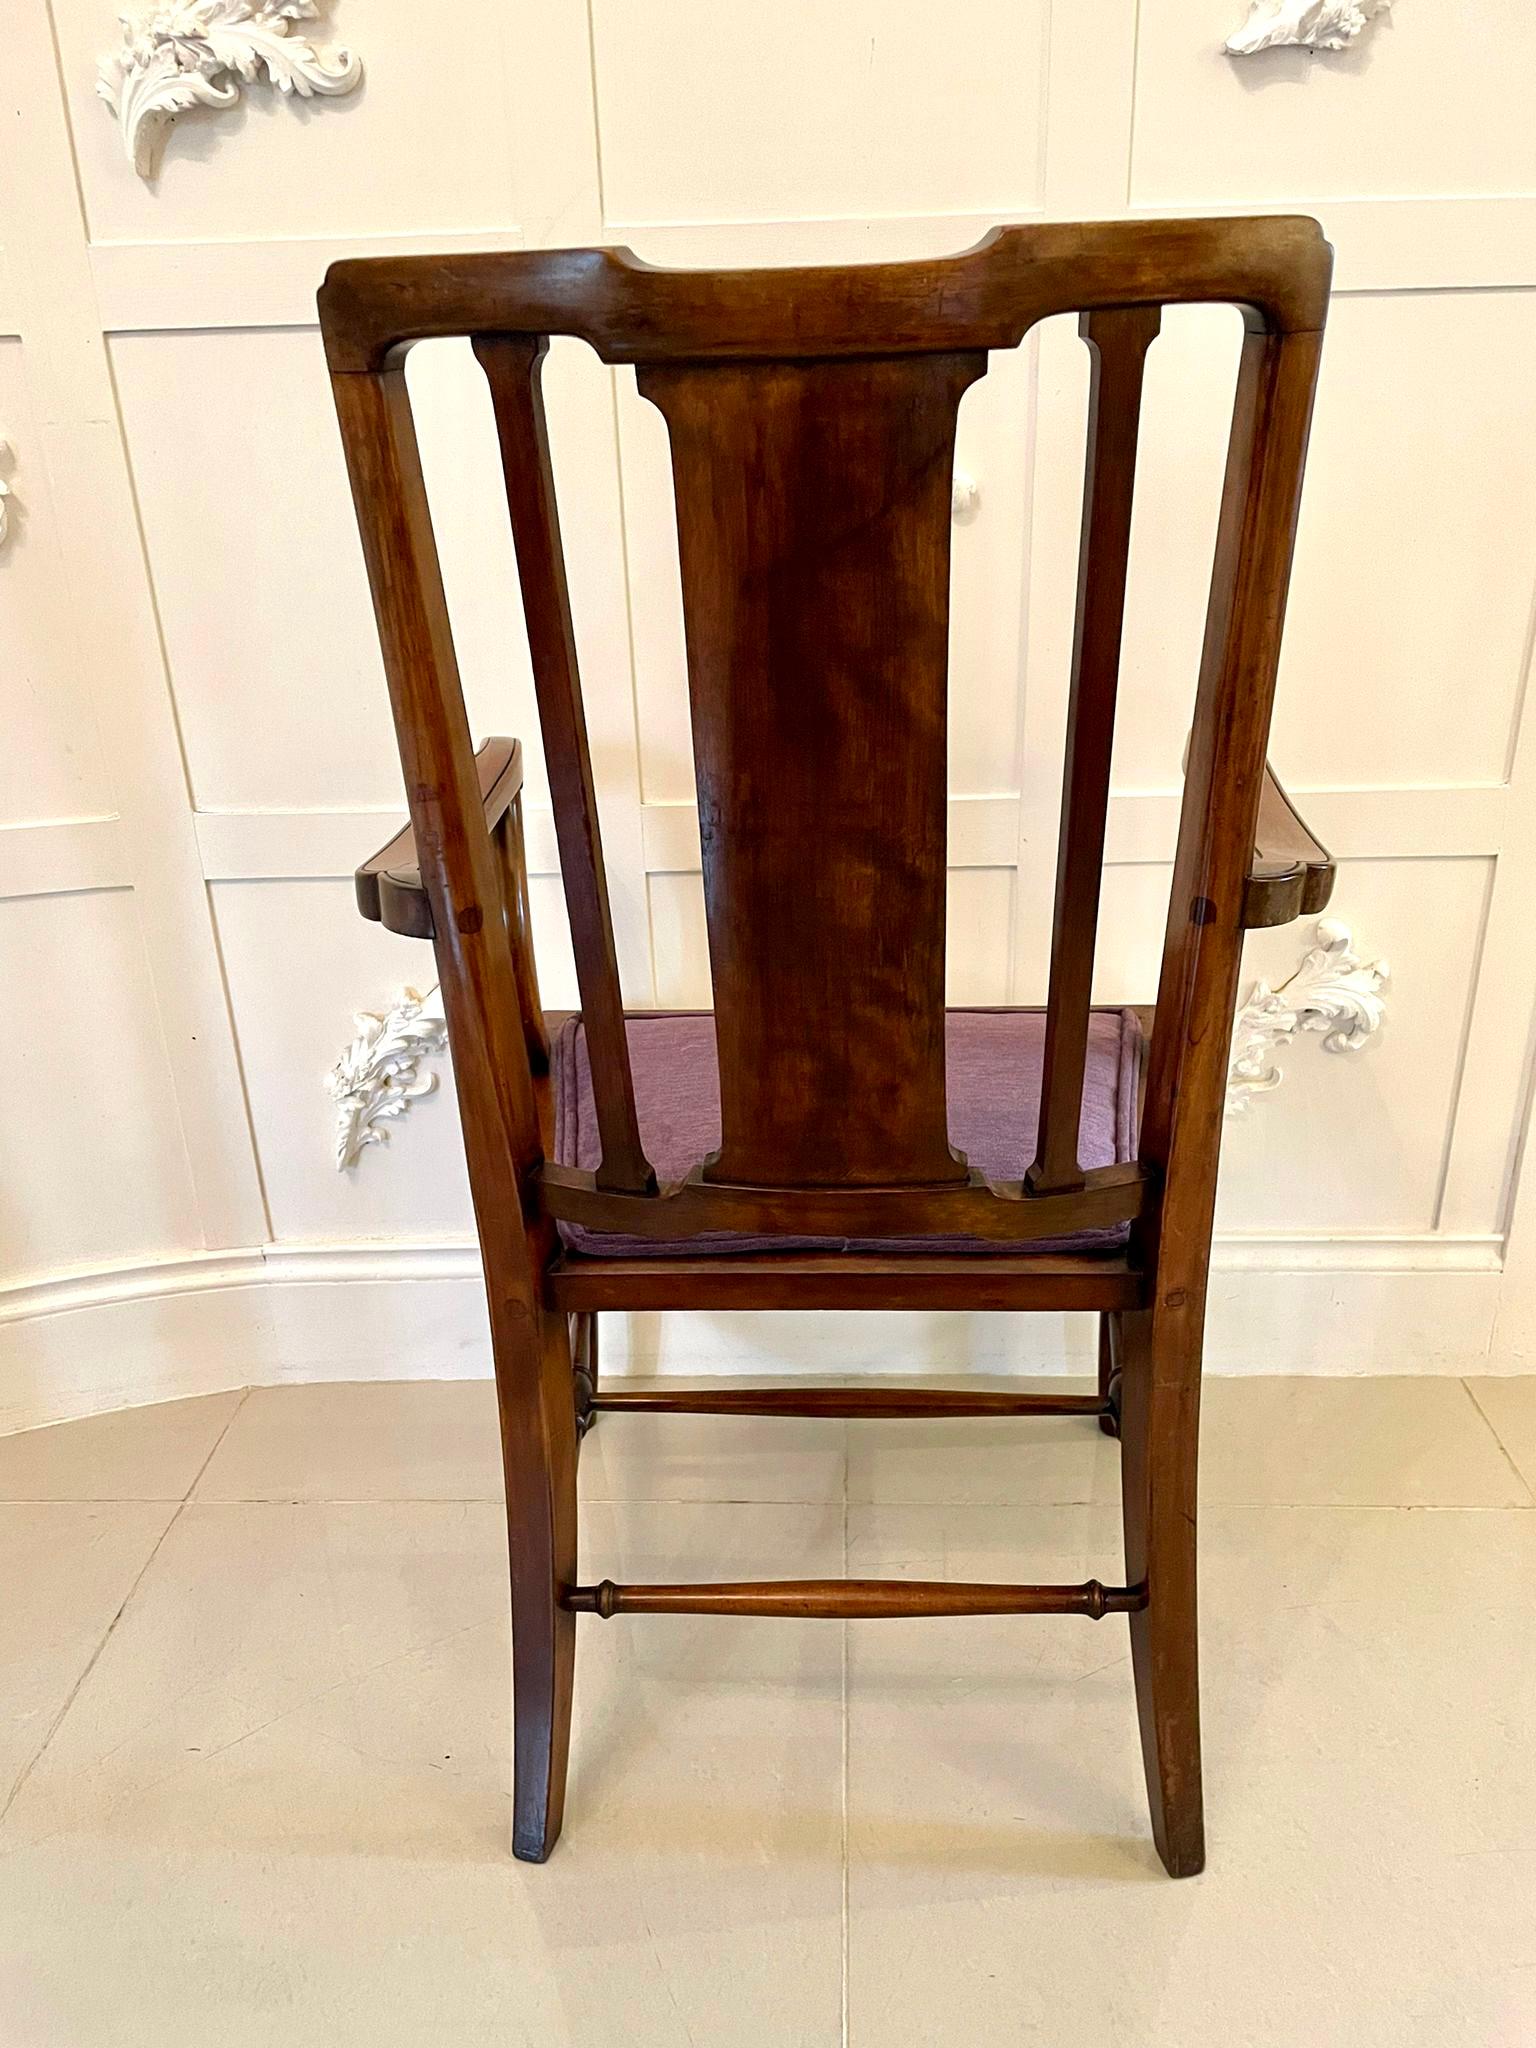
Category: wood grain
<point>1118,341</point>
<point>987,297</point>
<point>854,1599</point>
<point>813,508</point>
<point>514,370</point>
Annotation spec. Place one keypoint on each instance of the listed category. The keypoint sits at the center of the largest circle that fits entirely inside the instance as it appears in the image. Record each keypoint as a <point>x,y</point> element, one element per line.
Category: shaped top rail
<point>1278,267</point>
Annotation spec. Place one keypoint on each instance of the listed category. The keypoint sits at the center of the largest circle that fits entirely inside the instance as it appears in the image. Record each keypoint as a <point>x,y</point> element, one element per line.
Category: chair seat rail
<point>1002,1212</point>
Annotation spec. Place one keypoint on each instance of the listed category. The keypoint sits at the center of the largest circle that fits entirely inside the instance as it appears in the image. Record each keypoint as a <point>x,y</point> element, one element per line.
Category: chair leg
<point>1159,1425</point>
<point>538,1441</point>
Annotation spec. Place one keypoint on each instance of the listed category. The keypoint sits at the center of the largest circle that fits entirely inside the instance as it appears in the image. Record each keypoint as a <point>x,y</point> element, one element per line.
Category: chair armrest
<point>1291,874</point>
<point>389,887</point>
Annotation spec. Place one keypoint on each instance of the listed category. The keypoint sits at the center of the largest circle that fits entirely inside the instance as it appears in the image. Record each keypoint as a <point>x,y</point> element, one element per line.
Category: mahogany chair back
<point>812,423</point>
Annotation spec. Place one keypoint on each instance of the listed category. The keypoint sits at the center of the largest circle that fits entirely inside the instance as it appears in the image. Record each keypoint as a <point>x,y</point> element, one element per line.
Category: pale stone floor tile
<point>275,1804</point>
<point>1369,1692</point>
<point>1323,1442</point>
<point>1049,1459</point>
<point>641,1456</point>
<point>1510,1406</point>
<point>440,1440</point>
<point>386,1440</point>
<point>151,1453</point>
<point>1402,1442</point>
<point>279,1807</point>
<point>66,1568</point>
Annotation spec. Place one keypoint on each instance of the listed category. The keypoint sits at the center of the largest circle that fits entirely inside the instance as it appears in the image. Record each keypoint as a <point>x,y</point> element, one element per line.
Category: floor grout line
<point>488,1500</point>
<point>483,1500</point>
<point>234,1416</point>
<point>91,1662</point>
<point>1489,1424</point>
<point>138,1579</point>
<point>92,1500</point>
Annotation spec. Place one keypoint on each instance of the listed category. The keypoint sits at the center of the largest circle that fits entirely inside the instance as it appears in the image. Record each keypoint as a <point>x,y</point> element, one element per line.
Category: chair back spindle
<point>1118,339</point>
<point>514,369</point>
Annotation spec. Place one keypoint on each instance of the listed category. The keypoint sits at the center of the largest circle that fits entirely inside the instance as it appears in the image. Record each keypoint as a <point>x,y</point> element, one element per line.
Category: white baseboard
<point>82,1343</point>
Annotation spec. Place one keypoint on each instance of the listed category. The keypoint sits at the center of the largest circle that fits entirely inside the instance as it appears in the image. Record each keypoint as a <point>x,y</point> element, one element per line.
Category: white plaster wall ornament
<point>1333,991</point>
<point>7,456</point>
<point>1303,24</point>
<point>379,1075</point>
<point>198,53</point>
<point>964,498</point>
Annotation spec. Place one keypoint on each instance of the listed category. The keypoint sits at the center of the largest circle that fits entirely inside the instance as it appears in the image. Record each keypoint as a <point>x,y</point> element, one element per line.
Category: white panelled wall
<point>197,744</point>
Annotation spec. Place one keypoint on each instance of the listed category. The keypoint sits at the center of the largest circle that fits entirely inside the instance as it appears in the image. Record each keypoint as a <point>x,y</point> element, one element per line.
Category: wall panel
<point>723,113</point>
<point>50,762</point>
<point>679,941</point>
<point>385,157</point>
<point>1359,1140</point>
<point>299,961</point>
<point>979,913</point>
<point>1422,104</point>
<point>1416,562</point>
<point>96,1166</point>
<point>263,599</point>
<point>181,493</point>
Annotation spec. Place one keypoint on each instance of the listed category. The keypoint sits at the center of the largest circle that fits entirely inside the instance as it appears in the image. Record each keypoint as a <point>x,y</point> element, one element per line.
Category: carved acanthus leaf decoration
<point>198,53</point>
<point>378,1077</point>
<point>7,455</point>
<point>1303,24</point>
<point>964,498</point>
<point>1333,991</point>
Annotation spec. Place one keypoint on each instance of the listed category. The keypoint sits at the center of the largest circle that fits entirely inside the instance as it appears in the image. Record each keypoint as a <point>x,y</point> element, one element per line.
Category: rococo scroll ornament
<point>199,53</point>
<point>1333,991</point>
<point>378,1077</point>
<point>1303,24</point>
<point>7,456</point>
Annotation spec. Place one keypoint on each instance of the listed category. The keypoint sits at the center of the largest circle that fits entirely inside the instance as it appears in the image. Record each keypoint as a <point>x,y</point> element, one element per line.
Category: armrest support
<point>389,887</point>
<point>1291,875</point>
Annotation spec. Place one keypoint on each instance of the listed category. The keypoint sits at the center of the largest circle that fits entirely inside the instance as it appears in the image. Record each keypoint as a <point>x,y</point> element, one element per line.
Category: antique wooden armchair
<point>805,1133</point>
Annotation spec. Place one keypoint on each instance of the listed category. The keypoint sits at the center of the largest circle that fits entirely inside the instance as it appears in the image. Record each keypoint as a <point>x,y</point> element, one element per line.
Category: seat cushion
<point>992,1066</point>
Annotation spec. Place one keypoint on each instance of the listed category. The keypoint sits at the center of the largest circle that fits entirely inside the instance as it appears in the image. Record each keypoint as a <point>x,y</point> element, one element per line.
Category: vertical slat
<point>1118,341</point>
<point>813,524</point>
<point>513,366</point>
<point>512,854</point>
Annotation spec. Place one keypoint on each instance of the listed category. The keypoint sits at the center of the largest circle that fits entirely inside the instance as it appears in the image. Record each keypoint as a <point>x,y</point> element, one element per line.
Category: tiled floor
<point>253,1737</point>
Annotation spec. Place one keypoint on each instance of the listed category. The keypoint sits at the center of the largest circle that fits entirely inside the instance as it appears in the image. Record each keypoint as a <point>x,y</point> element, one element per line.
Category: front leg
<point>538,1442</point>
<point>1161,1347</point>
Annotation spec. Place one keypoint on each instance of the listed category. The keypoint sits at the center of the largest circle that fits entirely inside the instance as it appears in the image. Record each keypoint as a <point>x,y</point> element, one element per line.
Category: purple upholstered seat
<point>992,1062</point>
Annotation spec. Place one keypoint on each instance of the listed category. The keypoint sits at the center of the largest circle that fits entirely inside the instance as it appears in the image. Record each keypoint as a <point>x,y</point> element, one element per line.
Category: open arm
<point>390,890</point>
<point>1290,875</point>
